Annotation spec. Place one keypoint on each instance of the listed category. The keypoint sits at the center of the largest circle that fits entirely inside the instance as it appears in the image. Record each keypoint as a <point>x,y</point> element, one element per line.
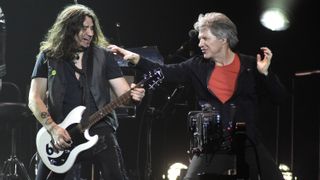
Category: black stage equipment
<point>12,113</point>
<point>208,133</point>
<point>2,43</point>
<point>2,46</point>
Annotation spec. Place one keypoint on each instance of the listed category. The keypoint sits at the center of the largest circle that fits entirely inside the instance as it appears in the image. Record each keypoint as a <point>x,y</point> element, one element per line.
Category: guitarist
<point>74,68</point>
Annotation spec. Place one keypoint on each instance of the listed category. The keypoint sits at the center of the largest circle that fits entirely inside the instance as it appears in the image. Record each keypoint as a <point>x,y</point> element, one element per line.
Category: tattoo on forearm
<point>46,116</point>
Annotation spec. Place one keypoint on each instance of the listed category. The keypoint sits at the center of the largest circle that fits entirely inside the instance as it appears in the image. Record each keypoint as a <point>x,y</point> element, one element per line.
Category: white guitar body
<point>62,161</point>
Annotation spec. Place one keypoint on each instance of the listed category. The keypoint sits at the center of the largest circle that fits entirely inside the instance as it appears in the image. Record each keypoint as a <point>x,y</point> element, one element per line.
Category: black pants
<point>219,164</point>
<point>105,155</point>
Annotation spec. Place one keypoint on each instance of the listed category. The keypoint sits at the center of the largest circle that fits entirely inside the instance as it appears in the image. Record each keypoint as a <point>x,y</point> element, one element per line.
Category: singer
<point>230,82</point>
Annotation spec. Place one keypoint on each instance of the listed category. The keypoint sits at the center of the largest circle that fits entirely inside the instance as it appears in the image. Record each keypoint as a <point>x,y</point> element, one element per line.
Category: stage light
<point>174,170</point>
<point>287,174</point>
<point>275,19</point>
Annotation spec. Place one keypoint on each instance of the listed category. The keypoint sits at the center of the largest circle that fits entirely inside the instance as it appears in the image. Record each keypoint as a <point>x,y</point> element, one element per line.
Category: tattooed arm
<point>37,96</point>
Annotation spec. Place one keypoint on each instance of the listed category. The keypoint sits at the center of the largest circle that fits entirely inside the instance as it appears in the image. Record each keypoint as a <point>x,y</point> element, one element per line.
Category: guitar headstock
<point>152,78</point>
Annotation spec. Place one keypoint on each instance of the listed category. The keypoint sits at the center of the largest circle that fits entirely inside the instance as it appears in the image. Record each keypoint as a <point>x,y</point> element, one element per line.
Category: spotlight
<point>274,19</point>
<point>287,174</point>
<point>174,170</point>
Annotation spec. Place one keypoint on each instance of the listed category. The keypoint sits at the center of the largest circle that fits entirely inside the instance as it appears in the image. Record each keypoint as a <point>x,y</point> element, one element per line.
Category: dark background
<point>165,24</point>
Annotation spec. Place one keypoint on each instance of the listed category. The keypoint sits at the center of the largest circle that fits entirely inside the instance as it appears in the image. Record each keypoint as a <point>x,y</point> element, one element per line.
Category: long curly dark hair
<point>60,43</point>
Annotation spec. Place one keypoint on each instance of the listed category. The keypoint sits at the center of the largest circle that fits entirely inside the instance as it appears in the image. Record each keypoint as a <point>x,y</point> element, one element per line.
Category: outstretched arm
<point>132,57</point>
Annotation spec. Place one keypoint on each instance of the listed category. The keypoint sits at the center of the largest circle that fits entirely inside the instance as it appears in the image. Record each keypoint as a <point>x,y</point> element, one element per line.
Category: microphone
<point>193,33</point>
<point>2,44</point>
<point>190,43</point>
<point>188,48</point>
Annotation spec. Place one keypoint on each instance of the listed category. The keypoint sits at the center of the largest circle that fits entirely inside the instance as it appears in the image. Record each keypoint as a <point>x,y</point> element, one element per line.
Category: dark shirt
<point>74,90</point>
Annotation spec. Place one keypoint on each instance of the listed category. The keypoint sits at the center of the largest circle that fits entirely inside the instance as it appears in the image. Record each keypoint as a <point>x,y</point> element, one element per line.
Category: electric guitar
<point>61,161</point>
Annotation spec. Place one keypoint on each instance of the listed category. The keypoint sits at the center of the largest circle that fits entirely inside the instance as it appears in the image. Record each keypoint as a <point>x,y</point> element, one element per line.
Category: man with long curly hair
<point>74,69</point>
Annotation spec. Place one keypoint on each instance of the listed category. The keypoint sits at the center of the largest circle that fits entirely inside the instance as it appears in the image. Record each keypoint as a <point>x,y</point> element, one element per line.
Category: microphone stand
<point>163,113</point>
<point>242,168</point>
<point>151,111</point>
<point>146,109</point>
<point>151,114</point>
<point>154,114</point>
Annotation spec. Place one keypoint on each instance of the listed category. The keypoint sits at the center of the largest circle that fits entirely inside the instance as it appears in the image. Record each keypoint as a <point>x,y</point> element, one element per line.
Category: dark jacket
<point>250,84</point>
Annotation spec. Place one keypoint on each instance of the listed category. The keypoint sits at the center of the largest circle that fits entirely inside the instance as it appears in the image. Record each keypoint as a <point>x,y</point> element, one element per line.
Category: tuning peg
<point>151,87</point>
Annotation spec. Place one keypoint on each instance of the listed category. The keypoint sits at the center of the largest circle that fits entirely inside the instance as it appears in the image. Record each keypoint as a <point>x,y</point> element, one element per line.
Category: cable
<point>34,158</point>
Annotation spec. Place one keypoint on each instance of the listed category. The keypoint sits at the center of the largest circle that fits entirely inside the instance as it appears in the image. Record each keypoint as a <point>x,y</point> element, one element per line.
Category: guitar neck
<point>97,116</point>
<point>100,114</point>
